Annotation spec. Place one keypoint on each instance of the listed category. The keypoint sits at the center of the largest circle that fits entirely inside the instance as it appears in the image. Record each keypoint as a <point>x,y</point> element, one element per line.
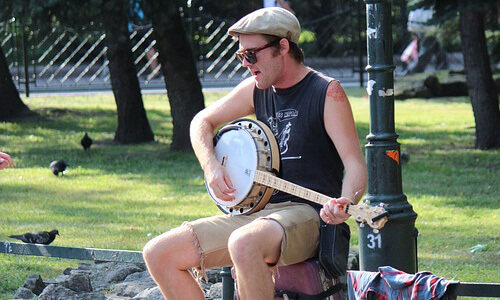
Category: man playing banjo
<point>311,118</point>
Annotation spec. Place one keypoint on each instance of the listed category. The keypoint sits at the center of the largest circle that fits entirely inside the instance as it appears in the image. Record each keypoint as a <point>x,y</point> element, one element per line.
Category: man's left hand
<point>333,211</point>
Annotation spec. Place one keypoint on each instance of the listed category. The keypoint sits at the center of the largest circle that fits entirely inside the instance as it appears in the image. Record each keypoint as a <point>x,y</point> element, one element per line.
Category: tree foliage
<point>229,10</point>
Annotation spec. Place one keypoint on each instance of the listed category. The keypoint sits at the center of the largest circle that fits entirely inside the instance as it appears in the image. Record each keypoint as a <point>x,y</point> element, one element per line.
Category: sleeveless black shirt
<point>296,117</point>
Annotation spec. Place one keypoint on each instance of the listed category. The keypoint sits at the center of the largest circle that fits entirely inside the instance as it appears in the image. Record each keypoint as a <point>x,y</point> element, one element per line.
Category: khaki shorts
<point>300,222</point>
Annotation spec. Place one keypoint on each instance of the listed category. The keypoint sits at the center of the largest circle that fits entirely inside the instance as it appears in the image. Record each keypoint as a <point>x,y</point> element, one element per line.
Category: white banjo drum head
<point>236,150</point>
<point>243,147</point>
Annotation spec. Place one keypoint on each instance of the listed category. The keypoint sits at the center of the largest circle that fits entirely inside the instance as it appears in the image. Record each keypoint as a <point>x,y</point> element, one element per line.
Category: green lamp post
<point>394,244</point>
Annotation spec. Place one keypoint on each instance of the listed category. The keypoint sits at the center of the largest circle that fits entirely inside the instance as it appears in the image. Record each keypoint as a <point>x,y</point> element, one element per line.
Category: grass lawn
<point>120,196</point>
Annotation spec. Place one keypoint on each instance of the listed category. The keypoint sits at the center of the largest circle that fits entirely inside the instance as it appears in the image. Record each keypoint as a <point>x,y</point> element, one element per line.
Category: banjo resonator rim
<point>267,160</point>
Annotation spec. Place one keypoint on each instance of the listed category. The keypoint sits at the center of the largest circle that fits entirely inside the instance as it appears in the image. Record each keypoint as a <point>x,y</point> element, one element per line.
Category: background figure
<point>418,54</point>
<point>279,3</point>
<point>410,54</point>
<point>139,22</point>
<point>5,161</point>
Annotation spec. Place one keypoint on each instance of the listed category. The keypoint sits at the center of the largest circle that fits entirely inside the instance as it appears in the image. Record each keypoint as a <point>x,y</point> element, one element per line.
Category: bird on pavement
<point>41,237</point>
<point>86,142</point>
<point>58,166</point>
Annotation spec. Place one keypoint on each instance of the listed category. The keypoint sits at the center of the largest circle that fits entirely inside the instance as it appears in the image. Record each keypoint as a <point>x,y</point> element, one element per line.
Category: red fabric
<point>390,283</point>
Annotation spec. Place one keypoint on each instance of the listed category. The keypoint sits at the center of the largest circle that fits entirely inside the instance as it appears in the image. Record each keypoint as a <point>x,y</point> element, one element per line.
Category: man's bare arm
<point>339,123</point>
<point>238,103</point>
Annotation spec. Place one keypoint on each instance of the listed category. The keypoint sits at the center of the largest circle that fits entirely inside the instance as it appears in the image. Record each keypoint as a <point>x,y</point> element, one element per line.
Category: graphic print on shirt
<point>284,136</point>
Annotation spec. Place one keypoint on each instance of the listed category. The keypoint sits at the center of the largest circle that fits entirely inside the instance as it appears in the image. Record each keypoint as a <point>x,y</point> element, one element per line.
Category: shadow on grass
<point>81,120</point>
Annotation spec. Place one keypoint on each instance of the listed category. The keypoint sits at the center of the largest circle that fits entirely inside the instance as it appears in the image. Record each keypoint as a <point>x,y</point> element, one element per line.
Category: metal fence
<point>61,59</point>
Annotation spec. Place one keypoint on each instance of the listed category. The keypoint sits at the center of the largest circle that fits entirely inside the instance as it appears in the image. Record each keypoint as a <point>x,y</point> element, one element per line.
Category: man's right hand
<point>219,182</point>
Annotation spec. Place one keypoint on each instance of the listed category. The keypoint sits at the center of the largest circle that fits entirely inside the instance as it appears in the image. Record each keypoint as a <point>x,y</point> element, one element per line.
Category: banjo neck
<point>274,182</point>
<point>245,147</point>
<point>375,217</point>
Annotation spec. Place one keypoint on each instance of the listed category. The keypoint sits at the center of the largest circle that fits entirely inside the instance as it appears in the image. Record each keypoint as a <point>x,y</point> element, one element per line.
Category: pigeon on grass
<point>58,166</point>
<point>86,142</point>
<point>41,237</point>
<point>405,157</point>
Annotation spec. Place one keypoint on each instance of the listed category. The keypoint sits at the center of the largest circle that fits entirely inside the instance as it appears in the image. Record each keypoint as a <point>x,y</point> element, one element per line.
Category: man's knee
<point>174,248</point>
<point>151,250</point>
<point>156,250</point>
<point>239,242</point>
<point>261,240</point>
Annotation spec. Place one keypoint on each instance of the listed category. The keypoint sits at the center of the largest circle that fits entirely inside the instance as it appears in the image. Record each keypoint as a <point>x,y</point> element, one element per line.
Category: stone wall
<point>116,281</point>
<point>104,281</point>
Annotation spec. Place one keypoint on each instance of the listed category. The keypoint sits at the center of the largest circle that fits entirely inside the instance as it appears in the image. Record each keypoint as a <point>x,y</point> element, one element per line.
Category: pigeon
<point>58,166</point>
<point>86,142</point>
<point>41,237</point>
<point>405,157</point>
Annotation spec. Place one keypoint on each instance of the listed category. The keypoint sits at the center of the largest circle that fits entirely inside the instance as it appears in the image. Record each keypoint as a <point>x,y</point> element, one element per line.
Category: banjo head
<point>232,150</point>
<point>244,146</point>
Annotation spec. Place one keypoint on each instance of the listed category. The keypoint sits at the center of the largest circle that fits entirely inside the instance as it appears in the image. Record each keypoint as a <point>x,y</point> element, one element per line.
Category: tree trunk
<point>482,90</point>
<point>179,69</point>
<point>133,126</point>
<point>11,105</point>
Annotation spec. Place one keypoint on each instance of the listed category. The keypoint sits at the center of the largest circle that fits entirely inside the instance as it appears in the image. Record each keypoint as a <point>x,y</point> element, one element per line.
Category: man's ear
<point>284,46</point>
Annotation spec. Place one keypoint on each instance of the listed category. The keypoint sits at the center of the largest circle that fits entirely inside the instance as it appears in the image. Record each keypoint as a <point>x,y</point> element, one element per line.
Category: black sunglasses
<point>251,54</point>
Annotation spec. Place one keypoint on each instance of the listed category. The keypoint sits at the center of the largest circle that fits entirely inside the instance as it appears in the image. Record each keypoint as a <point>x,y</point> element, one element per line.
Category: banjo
<point>248,150</point>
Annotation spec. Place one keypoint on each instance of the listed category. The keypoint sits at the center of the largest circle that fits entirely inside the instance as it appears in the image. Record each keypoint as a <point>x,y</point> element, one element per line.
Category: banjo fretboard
<point>274,182</point>
<point>374,216</point>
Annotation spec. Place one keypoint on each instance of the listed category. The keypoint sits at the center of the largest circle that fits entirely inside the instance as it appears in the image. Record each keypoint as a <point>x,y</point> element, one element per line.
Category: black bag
<point>334,248</point>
